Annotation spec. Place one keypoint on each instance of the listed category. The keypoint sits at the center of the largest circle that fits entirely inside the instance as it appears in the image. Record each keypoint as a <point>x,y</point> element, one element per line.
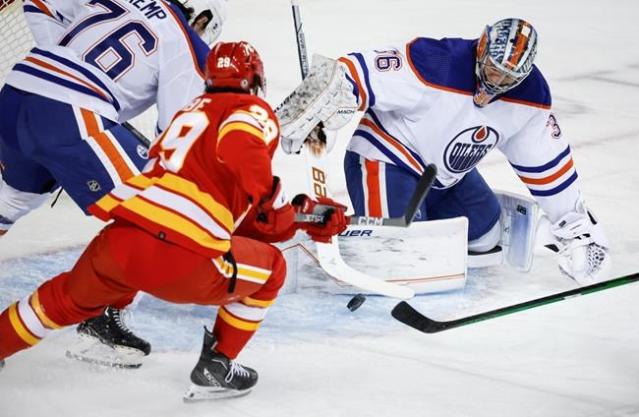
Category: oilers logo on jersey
<point>469,147</point>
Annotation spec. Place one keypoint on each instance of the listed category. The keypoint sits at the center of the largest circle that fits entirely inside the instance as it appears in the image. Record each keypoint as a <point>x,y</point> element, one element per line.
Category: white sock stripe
<point>382,189</point>
<point>79,121</point>
<point>122,153</point>
<point>30,319</point>
<point>362,162</point>
<point>245,312</point>
<point>104,159</point>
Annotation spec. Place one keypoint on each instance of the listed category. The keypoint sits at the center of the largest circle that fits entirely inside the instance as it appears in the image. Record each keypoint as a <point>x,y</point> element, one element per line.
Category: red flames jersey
<point>213,159</point>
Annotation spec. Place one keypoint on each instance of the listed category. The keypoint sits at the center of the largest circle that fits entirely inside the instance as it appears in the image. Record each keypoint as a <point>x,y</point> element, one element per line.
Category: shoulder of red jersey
<point>249,114</point>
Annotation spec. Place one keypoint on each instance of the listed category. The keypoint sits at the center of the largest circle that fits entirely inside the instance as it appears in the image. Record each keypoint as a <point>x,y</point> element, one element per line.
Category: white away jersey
<point>114,57</point>
<point>419,110</point>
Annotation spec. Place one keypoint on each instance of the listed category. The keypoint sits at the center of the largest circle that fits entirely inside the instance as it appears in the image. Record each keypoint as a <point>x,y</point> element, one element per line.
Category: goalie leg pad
<point>519,218</point>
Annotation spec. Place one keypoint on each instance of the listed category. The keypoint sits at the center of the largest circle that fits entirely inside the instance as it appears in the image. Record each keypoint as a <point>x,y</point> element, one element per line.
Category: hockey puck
<point>356,302</point>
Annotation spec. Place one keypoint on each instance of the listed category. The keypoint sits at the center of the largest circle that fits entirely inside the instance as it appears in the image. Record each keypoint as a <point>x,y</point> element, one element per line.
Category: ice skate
<point>106,340</point>
<point>215,376</point>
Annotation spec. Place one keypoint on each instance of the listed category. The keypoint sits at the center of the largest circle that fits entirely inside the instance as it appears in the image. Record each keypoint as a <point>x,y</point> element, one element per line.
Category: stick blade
<point>332,263</point>
<point>406,314</point>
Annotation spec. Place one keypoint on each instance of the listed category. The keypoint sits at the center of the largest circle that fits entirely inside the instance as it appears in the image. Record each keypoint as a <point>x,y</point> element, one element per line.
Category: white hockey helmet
<point>207,18</point>
<point>505,55</point>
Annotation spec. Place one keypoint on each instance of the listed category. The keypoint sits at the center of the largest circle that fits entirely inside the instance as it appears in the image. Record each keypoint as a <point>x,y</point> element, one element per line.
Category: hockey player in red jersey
<point>64,108</point>
<point>193,228</point>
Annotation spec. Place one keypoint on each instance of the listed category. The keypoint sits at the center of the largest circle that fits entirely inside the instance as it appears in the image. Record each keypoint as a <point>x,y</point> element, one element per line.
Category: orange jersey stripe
<point>43,8</point>
<point>101,138</point>
<point>525,102</point>
<point>550,178</point>
<point>394,142</point>
<point>372,185</point>
<point>355,75</point>
<point>59,71</point>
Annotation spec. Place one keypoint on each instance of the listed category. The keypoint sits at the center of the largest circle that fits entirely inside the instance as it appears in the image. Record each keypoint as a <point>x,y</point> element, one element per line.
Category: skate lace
<point>236,369</point>
<point>120,317</point>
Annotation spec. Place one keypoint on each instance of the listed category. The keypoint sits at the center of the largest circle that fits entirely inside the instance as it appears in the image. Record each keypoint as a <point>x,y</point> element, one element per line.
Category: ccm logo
<point>353,233</point>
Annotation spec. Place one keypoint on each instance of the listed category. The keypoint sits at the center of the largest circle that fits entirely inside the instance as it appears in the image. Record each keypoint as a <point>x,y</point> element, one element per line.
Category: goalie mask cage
<point>16,40</point>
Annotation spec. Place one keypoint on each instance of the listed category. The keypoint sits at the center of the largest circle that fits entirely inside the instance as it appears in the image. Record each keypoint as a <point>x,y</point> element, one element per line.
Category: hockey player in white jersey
<point>96,64</point>
<point>450,102</point>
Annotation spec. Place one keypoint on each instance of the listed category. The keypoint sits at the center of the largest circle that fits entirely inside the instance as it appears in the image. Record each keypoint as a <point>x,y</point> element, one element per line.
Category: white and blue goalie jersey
<point>418,104</point>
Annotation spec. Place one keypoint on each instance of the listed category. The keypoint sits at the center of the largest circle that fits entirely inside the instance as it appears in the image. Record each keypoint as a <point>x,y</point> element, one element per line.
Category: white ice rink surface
<point>575,358</point>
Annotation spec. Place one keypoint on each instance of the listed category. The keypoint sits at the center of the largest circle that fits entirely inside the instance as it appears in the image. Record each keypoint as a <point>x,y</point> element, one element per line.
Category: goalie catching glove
<point>582,246</point>
<point>325,96</point>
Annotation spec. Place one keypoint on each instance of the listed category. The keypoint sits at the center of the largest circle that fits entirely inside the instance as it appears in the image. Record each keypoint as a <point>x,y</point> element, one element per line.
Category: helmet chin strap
<point>482,97</point>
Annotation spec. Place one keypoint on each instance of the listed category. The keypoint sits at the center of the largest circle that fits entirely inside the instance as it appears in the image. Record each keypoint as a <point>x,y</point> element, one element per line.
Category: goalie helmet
<point>235,66</point>
<point>206,17</point>
<point>505,55</point>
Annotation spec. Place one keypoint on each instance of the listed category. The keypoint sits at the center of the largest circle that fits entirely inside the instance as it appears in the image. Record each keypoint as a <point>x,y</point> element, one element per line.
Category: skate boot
<point>215,376</point>
<point>106,340</point>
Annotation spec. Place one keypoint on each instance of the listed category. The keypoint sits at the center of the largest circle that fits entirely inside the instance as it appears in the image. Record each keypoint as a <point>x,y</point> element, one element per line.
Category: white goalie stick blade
<point>197,393</point>
<point>331,261</point>
<point>89,349</point>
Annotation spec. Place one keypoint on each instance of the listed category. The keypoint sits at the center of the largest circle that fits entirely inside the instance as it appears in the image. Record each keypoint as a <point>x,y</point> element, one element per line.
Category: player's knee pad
<point>15,204</point>
<point>278,273</point>
<point>487,241</point>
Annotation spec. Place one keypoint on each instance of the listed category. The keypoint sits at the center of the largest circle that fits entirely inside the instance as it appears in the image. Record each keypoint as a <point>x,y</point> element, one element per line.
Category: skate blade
<point>197,393</point>
<point>89,349</point>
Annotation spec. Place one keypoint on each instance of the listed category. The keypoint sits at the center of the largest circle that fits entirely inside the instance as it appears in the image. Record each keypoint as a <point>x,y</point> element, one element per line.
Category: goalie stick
<point>413,318</point>
<point>328,254</point>
<point>421,190</point>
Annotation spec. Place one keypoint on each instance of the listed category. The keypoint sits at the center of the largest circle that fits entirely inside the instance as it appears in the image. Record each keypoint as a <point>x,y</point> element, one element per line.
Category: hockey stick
<point>146,142</point>
<point>411,317</point>
<point>328,254</point>
<point>302,55</point>
<point>422,188</point>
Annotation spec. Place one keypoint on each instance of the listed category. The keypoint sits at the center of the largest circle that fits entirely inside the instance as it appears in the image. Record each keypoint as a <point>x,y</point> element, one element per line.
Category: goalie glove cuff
<point>325,95</point>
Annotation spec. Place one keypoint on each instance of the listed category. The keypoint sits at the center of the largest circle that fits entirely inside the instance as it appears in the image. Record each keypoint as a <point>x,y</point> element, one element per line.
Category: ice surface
<point>315,358</point>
